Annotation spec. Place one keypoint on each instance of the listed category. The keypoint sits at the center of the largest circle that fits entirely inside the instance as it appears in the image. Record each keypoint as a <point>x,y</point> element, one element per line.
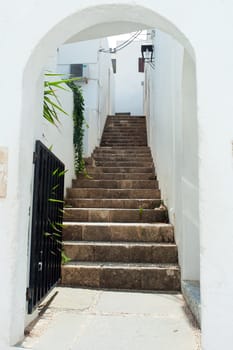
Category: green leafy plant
<point>64,258</point>
<point>79,124</point>
<point>52,105</point>
<point>140,212</point>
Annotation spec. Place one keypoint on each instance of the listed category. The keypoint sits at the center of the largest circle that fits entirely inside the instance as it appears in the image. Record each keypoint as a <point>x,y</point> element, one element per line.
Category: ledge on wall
<point>191,293</point>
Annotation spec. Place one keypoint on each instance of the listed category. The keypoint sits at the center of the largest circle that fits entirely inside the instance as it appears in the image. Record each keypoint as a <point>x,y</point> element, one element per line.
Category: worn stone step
<point>120,134</point>
<point>138,150</point>
<point>123,145</point>
<point>122,157</point>
<point>125,158</point>
<point>126,127</point>
<point>125,139</point>
<point>100,169</point>
<point>113,203</point>
<point>118,232</point>
<point>162,277</point>
<point>131,121</point>
<point>115,215</point>
<point>139,163</point>
<point>122,123</point>
<point>131,126</point>
<point>126,121</point>
<point>138,133</point>
<point>121,137</point>
<point>114,127</point>
<point>90,183</point>
<point>124,133</point>
<point>120,153</point>
<point>118,176</point>
<point>126,116</point>
<point>113,193</point>
<point>141,149</point>
<point>125,252</point>
<point>118,129</point>
<point>124,142</point>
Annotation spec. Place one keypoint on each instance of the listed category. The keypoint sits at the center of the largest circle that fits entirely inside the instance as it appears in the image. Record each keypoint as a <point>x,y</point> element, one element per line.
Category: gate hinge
<point>28,294</point>
<point>34,157</point>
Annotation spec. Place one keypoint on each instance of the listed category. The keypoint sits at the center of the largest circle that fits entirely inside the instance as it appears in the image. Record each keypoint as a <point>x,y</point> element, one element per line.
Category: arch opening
<point>101,21</point>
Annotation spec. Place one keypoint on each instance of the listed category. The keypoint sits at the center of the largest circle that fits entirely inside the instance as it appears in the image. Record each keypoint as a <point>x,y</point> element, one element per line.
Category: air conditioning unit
<point>79,71</point>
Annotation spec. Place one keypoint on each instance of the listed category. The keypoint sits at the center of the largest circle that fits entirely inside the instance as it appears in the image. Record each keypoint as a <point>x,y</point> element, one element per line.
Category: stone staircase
<point>116,230</point>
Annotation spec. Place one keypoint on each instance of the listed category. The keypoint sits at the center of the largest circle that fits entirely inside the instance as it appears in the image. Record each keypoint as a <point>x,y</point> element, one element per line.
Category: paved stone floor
<point>82,319</point>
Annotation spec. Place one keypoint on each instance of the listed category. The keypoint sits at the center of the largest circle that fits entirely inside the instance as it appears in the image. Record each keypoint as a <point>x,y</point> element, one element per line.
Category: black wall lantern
<point>147,53</point>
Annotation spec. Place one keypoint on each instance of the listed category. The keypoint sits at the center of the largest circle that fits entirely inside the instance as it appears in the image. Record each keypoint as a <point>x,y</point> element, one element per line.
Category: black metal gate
<point>47,216</point>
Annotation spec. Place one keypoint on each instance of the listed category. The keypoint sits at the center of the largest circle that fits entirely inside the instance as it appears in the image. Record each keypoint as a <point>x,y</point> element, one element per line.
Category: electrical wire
<point>125,43</point>
<point>122,45</point>
<point>152,65</point>
<point>129,41</point>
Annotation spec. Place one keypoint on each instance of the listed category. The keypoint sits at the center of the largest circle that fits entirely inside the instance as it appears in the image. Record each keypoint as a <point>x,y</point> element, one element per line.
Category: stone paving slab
<point>83,319</point>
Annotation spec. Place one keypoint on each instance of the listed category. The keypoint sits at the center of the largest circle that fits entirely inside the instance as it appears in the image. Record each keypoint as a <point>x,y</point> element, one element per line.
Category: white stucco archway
<point>105,20</point>
<point>33,31</point>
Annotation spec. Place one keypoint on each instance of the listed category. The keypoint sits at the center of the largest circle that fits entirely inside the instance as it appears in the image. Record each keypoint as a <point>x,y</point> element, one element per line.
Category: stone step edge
<point>116,199</point>
<point>120,176</point>
<point>115,215</point>
<point>118,181</point>
<point>90,174</point>
<point>118,231</point>
<point>116,209</point>
<point>121,224</point>
<point>115,189</point>
<point>114,203</point>
<point>118,244</point>
<point>99,264</point>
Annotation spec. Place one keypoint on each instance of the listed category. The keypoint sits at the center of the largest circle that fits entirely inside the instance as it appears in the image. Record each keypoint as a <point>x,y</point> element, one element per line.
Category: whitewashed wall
<point>106,86</point>
<point>129,88</point>
<point>97,91</point>
<point>170,105</point>
<point>60,138</point>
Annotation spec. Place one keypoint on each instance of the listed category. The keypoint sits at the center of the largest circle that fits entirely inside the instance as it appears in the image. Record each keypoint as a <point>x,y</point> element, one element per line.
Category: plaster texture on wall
<point>129,82</point>
<point>3,171</point>
<point>172,127</point>
<point>206,33</point>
